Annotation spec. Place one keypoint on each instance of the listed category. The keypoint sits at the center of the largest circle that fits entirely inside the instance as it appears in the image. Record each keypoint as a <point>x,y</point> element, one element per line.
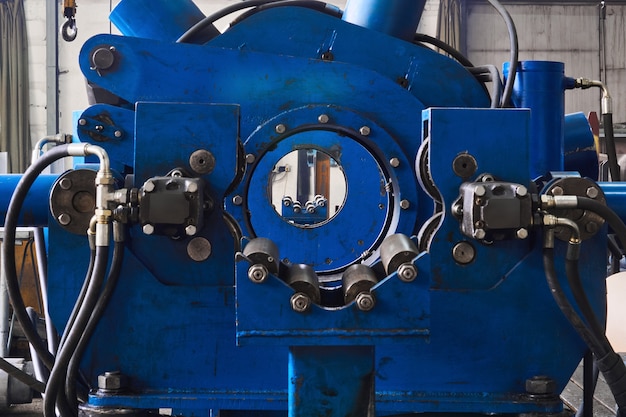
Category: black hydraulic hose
<point>8,251</point>
<point>55,395</point>
<point>563,303</point>
<point>96,315</point>
<point>610,363</point>
<point>81,297</point>
<point>611,152</point>
<point>319,6</point>
<point>212,18</point>
<point>494,77</point>
<point>510,25</point>
<point>438,43</point>
<point>607,214</point>
<point>590,380</point>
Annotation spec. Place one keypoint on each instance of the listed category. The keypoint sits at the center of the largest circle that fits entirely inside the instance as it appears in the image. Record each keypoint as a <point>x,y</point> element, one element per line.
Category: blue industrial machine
<point>314,214</point>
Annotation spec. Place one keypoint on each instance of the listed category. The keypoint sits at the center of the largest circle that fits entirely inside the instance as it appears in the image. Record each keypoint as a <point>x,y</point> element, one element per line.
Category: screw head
<point>405,204</point>
<point>118,133</point>
<point>237,200</point>
<point>65,184</point>
<point>365,301</point>
<point>592,192</point>
<point>192,187</point>
<point>479,234</point>
<point>557,191</point>
<point>323,118</point>
<point>365,130</point>
<point>521,191</point>
<point>64,219</point>
<point>149,186</point>
<point>394,162</point>
<point>407,272</point>
<point>522,233</point>
<point>258,273</point>
<point>190,230</point>
<point>148,229</point>
<point>464,253</point>
<point>280,128</point>
<point>480,191</point>
<point>82,122</point>
<point>300,302</point>
<point>250,159</point>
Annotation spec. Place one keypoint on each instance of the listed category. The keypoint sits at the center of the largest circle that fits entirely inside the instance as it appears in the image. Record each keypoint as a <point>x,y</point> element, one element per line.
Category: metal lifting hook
<point>69,30</point>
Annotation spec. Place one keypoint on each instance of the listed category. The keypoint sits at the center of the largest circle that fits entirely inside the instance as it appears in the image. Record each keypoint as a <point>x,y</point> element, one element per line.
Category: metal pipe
<point>36,206</point>
<point>42,272</point>
<point>398,18</point>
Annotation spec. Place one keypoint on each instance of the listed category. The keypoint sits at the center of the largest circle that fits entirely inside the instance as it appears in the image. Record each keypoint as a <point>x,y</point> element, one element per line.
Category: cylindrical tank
<point>397,18</point>
<point>540,87</point>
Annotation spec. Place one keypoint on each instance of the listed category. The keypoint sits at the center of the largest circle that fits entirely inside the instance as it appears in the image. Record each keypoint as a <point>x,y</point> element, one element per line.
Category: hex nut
<point>540,385</point>
<point>111,381</point>
<point>300,302</point>
<point>365,301</point>
<point>407,272</point>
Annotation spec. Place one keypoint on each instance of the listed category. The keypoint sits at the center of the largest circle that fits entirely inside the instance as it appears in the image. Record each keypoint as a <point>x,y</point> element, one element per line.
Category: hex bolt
<point>592,227</point>
<point>280,128</point>
<point>149,186</point>
<point>521,233</point>
<point>111,381</point>
<point>480,191</point>
<point>148,229</point>
<point>479,234</point>
<point>463,253</point>
<point>300,302</point>
<point>82,122</point>
<point>250,159</point>
<point>118,133</point>
<point>557,190</point>
<point>521,191</point>
<point>64,219</point>
<point>190,230</point>
<point>65,184</point>
<point>365,301</point>
<point>405,204</point>
<point>407,272</point>
<point>192,187</point>
<point>323,118</point>
<point>258,273</point>
<point>394,162</point>
<point>540,385</point>
<point>592,192</point>
<point>237,200</point>
<point>365,131</point>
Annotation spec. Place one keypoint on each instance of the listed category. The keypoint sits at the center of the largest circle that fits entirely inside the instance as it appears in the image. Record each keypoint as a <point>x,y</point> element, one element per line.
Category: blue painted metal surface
<point>162,20</point>
<point>36,206</point>
<point>397,18</point>
<point>540,86</point>
<point>580,152</point>
<point>200,336</point>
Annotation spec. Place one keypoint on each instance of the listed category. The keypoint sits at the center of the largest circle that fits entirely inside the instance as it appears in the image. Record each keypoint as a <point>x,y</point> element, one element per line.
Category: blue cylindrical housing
<point>579,146</point>
<point>36,206</point>
<point>397,18</point>
<point>539,86</point>
<point>615,193</point>
<point>163,20</point>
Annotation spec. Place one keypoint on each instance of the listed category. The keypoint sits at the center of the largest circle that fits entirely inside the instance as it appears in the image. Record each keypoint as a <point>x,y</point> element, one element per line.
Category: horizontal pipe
<point>36,206</point>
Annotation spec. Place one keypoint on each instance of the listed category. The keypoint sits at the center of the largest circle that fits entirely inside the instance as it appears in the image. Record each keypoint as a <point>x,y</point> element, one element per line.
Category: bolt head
<point>148,229</point>
<point>300,302</point>
<point>190,230</point>
<point>82,122</point>
<point>365,301</point>
<point>407,272</point>
<point>64,219</point>
<point>111,381</point>
<point>258,273</point>
<point>522,233</point>
<point>479,234</point>
<point>65,184</point>
<point>540,385</point>
<point>149,186</point>
<point>557,191</point>
<point>592,192</point>
<point>237,200</point>
<point>394,162</point>
<point>280,128</point>
<point>250,158</point>
<point>365,130</point>
<point>405,204</point>
<point>521,191</point>
<point>323,118</point>
<point>192,187</point>
<point>480,191</point>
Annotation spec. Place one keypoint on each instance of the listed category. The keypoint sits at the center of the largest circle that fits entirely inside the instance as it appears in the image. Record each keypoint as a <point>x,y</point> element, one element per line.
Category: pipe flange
<point>73,200</point>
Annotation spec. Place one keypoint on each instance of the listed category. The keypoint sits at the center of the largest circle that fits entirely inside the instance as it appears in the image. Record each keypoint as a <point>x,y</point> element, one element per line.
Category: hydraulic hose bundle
<point>60,390</point>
